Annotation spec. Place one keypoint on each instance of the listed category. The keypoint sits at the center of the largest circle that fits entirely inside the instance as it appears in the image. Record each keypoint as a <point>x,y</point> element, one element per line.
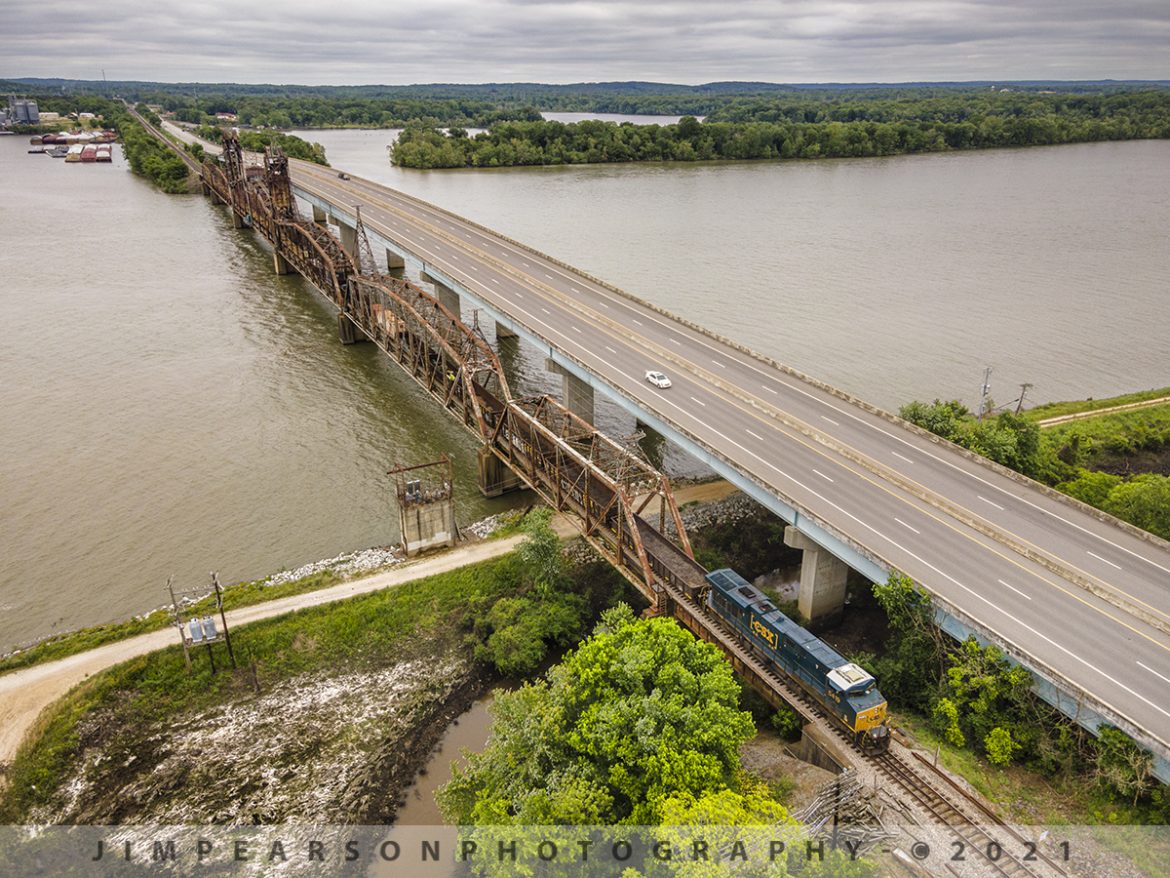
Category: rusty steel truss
<point>602,485</point>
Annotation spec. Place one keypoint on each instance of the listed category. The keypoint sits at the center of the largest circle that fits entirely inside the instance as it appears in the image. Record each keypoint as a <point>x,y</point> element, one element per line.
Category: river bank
<point>425,604</point>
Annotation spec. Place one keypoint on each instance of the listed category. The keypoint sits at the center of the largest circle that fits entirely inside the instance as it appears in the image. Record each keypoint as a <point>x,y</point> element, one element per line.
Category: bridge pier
<point>395,264</point>
<point>319,216</point>
<point>238,223</point>
<point>279,264</point>
<point>821,599</point>
<point>348,331</point>
<point>349,242</point>
<point>576,395</point>
<point>503,331</point>
<point>495,476</point>
<point>447,297</point>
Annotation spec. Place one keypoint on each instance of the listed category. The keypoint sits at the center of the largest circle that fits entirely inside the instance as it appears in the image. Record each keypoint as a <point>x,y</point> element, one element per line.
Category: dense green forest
<point>800,128</point>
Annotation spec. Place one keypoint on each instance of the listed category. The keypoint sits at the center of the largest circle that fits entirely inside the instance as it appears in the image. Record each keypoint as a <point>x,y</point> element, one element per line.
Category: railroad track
<point>1002,851</point>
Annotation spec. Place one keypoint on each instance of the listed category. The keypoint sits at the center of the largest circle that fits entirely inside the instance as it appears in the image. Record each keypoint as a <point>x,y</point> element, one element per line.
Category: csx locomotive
<point>844,690</point>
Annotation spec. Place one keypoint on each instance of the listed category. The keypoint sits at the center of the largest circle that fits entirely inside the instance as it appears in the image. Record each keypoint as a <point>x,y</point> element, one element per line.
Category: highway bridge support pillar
<point>447,297</point>
<point>576,395</point>
<point>238,223</point>
<point>395,264</point>
<point>349,242</point>
<point>319,216</point>
<point>503,331</point>
<point>821,599</point>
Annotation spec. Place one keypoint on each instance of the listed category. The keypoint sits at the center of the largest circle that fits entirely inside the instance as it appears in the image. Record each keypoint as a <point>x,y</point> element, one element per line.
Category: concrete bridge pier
<point>279,264</point>
<point>821,599</point>
<point>447,297</point>
<point>576,395</point>
<point>320,217</point>
<point>496,477</point>
<point>349,242</point>
<point>348,331</point>
<point>238,223</point>
<point>503,331</point>
<point>395,264</point>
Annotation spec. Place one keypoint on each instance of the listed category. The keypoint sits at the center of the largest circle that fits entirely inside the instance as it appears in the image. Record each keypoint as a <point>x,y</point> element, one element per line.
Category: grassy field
<point>1115,434</point>
<point>366,632</point>
<point>1056,409</point>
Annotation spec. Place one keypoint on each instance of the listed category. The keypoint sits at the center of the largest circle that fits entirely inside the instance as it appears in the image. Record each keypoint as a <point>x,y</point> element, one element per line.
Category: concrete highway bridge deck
<point>1079,598</point>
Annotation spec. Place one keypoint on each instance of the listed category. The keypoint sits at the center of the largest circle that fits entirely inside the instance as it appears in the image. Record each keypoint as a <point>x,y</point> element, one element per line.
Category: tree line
<point>799,130</point>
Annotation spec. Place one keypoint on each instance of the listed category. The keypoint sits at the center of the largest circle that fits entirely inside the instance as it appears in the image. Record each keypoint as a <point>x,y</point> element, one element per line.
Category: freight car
<point>846,692</point>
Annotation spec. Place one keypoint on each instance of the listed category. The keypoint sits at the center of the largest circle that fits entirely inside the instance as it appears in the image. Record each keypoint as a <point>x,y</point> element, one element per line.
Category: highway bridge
<point>1079,598</point>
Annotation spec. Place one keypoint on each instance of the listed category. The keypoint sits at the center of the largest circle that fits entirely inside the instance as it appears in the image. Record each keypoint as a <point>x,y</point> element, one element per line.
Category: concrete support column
<point>348,331</point>
<point>238,221</point>
<point>503,331</point>
<point>395,264</point>
<point>348,235</point>
<point>447,297</point>
<point>576,395</point>
<point>319,216</point>
<point>496,477</point>
<point>821,599</point>
<point>279,264</point>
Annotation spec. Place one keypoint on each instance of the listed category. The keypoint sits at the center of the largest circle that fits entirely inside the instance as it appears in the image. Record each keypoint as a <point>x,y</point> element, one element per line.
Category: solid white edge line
<point>1152,671</point>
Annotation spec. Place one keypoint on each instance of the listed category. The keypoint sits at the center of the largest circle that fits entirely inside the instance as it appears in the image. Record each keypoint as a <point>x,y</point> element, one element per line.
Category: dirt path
<point>1076,416</point>
<point>25,693</point>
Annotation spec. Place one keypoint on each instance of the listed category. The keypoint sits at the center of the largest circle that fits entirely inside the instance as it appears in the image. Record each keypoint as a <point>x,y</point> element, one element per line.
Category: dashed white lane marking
<point>549,276</point>
<point>700,402</point>
<point>754,435</point>
<point>576,328</point>
<point>903,457</point>
<point>770,389</point>
<point>611,350</point>
<point>602,304</point>
<point>831,421</point>
<point>990,502</point>
<point>495,280</point>
<point>473,268</point>
<point>908,527</point>
<point>1016,590</point>
<point>675,340</point>
<point>1106,560</point>
<point>1152,671</point>
<point>636,320</point>
<point>822,475</point>
<point>545,310</point>
<point>720,365</point>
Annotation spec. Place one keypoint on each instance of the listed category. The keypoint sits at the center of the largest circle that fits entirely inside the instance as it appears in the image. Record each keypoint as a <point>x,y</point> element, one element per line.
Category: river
<point>171,406</point>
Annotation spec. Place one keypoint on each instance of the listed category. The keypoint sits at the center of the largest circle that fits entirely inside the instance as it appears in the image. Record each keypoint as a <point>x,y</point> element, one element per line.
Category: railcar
<point>847,692</point>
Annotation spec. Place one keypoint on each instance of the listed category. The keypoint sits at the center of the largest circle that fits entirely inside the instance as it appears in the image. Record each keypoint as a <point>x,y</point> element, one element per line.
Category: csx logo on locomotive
<point>766,634</point>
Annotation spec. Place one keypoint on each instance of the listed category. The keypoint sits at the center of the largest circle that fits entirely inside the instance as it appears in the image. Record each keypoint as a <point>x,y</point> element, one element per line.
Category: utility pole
<point>222,618</point>
<point>984,392</point>
<point>1023,391</point>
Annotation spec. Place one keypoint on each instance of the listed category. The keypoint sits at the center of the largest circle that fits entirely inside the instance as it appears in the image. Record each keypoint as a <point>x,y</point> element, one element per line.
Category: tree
<point>910,669</point>
<point>641,712</point>
<point>999,746</point>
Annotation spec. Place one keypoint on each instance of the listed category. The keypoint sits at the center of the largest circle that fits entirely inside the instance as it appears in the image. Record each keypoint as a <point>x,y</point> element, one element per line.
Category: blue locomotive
<point>844,690</point>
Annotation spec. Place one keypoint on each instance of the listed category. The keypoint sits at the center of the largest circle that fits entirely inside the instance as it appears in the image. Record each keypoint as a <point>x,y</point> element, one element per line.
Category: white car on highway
<point>658,379</point>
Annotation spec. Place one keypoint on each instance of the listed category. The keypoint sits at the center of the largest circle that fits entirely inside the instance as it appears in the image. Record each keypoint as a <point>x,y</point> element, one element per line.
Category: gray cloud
<point>392,42</point>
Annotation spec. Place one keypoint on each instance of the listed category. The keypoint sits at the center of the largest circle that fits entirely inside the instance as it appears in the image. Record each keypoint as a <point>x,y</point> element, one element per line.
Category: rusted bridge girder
<point>604,486</point>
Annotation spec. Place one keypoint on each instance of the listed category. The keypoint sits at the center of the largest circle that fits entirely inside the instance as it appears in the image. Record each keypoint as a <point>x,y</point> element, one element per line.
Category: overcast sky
<point>339,42</point>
